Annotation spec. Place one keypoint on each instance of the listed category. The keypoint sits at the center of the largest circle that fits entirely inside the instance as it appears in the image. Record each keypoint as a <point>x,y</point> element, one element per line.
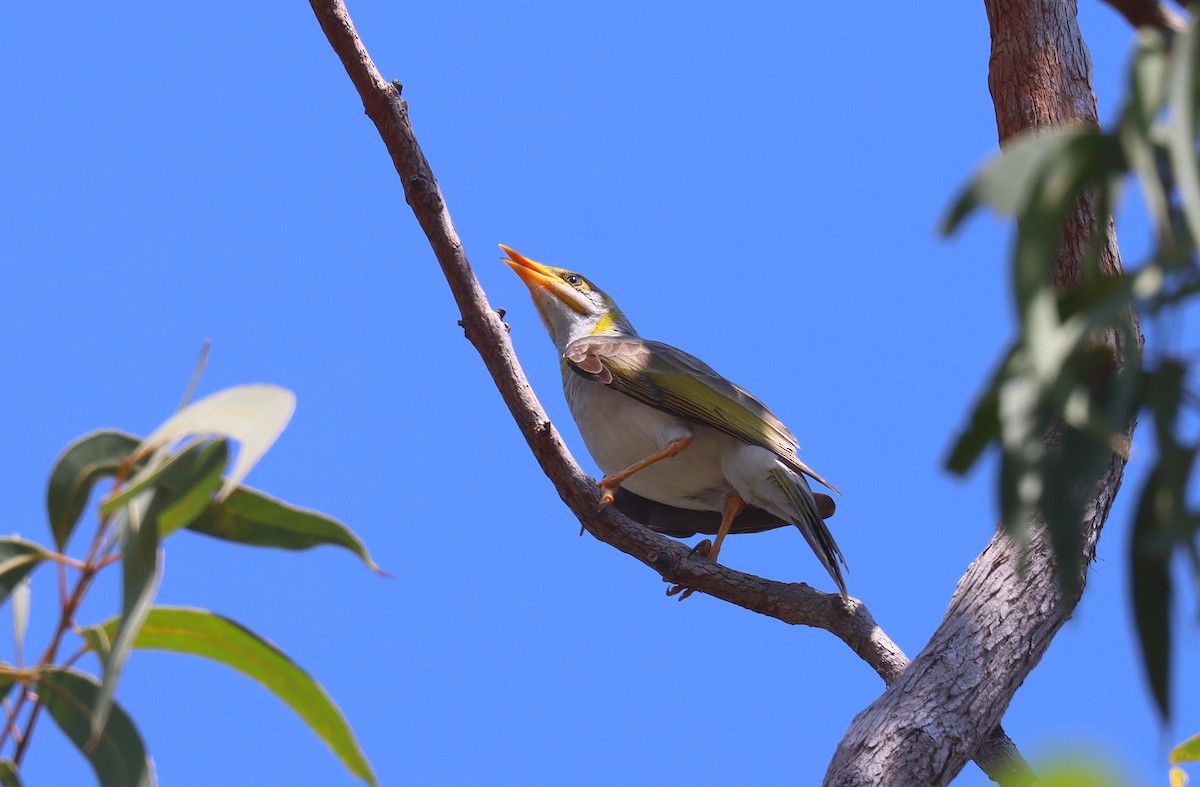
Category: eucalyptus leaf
<point>202,633</point>
<point>1147,85</point>
<point>1009,182</point>
<point>18,557</point>
<point>117,755</point>
<point>1149,558</point>
<point>8,773</point>
<point>1164,393</point>
<point>81,465</point>
<point>254,518</point>
<point>1070,478</point>
<point>182,482</point>
<point>181,501</point>
<point>141,572</point>
<point>984,425</point>
<point>252,415</point>
<point>1188,751</point>
<point>8,679</point>
<point>98,640</point>
<point>168,467</point>
<point>1181,131</point>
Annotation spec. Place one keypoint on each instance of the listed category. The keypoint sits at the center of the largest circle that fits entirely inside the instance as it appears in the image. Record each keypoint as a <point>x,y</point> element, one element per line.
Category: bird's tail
<point>811,524</point>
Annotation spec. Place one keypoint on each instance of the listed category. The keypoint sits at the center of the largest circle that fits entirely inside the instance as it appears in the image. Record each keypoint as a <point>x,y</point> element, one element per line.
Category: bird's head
<point>571,306</point>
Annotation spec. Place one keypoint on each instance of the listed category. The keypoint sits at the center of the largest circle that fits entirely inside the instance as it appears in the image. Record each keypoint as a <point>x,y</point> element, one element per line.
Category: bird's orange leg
<point>610,483</point>
<point>734,505</point>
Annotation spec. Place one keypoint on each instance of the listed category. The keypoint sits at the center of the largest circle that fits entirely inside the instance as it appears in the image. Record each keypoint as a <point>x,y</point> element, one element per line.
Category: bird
<point>668,431</point>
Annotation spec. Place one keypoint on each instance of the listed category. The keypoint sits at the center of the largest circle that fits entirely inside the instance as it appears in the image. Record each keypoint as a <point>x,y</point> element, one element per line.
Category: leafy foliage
<point>117,753</point>
<point>1062,404</point>
<point>254,518</point>
<point>84,462</point>
<point>18,557</point>
<point>202,633</point>
<point>175,479</point>
<point>1186,752</point>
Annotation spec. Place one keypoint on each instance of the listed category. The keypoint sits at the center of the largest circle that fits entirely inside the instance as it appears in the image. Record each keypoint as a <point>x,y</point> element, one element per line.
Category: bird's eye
<point>573,279</point>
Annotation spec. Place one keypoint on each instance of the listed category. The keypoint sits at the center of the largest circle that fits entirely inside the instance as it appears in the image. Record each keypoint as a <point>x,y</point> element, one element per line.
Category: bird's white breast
<point>620,431</point>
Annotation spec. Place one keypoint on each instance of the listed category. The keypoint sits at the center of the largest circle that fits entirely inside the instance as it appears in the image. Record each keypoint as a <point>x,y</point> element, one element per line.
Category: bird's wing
<point>669,379</point>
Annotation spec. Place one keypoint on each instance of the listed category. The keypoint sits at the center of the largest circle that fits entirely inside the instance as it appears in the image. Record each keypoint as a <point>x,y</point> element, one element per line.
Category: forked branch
<point>793,603</point>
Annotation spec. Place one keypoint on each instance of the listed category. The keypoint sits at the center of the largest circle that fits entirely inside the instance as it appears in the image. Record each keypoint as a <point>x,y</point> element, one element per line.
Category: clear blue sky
<point>757,185</point>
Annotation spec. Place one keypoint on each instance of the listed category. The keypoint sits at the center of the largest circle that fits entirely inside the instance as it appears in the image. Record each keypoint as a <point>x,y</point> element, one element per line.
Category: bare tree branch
<point>793,603</point>
<point>927,724</point>
<point>1149,13</point>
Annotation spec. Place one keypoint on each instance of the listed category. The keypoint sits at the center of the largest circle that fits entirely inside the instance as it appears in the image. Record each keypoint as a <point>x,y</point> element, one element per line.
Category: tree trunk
<point>928,724</point>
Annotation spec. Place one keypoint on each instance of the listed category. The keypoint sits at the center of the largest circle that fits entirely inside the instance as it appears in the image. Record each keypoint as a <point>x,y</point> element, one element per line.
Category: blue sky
<point>759,186</point>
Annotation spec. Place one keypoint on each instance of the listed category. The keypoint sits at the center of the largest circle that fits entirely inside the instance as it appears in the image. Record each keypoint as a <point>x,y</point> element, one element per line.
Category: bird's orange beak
<point>543,280</point>
<point>534,274</point>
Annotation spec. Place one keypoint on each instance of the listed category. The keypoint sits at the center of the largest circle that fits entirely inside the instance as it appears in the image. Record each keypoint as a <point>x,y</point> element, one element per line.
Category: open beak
<point>541,277</point>
<point>534,274</point>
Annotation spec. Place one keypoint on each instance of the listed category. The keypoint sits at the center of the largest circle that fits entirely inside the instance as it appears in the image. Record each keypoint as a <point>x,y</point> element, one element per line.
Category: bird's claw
<point>679,590</point>
<point>703,549</point>
<point>608,490</point>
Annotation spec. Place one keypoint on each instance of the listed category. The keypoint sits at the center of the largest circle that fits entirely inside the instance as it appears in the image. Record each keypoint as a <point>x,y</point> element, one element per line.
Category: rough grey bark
<point>930,722</point>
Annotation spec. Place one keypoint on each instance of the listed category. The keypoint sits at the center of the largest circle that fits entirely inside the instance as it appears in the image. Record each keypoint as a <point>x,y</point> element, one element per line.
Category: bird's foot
<point>679,590</point>
<point>703,549</point>
<point>608,489</point>
<point>707,549</point>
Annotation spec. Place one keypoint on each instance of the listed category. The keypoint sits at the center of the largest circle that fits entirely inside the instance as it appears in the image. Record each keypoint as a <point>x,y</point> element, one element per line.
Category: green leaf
<point>178,471</point>
<point>1181,131</point>
<point>251,517</point>
<point>1149,553</point>
<point>17,558</point>
<point>8,774</point>
<point>98,640</point>
<point>1008,183</point>
<point>140,576</point>
<point>1070,477</point>
<point>252,415</point>
<point>185,491</point>
<point>118,755</point>
<point>183,483</point>
<point>7,679</point>
<point>202,633</point>
<point>983,427</point>
<point>85,461</point>
<point>1188,751</point>
<point>1091,160</point>
<point>1147,83</point>
<point>1165,387</point>
<point>1068,769</point>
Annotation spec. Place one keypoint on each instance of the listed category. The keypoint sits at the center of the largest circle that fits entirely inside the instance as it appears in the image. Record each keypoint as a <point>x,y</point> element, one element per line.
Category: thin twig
<point>67,617</point>
<point>64,560</point>
<point>793,603</point>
